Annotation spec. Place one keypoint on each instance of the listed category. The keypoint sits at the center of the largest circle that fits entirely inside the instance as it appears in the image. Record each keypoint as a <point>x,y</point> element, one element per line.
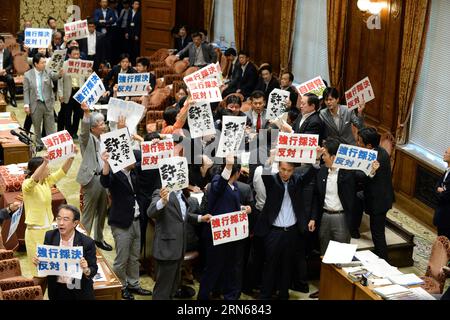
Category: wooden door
<point>87,8</point>
<point>158,19</point>
<point>9,17</point>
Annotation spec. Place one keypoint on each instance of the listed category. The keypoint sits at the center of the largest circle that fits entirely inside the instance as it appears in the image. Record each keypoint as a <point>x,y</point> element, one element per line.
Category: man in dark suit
<point>133,34</point>
<point>66,288</point>
<point>104,18</point>
<point>124,219</point>
<point>6,213</point>
<point>171,212</point>
<point>378,189</point>
<point>200,53</point>
<point>286,80</point>
<point>244,78</point>
<point>6,71</point>
<point>232,62</point>
<point>183,39</point>
<point>441,217</point>
<point>308,121</point>
<point>112,77</point>
<point>282,224</point>
<point>93,45</point>
<point>267,81</point>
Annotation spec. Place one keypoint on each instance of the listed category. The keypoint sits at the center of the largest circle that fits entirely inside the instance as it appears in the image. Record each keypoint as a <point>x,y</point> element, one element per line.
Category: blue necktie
<point>41,96</point>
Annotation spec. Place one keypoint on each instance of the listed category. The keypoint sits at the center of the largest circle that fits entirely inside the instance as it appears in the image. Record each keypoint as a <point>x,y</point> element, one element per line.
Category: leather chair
<point>22,293</point>
<point>434,279</point>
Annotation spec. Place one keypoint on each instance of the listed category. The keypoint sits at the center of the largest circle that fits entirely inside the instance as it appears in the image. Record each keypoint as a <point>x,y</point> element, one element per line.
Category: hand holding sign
<point>164,194</point>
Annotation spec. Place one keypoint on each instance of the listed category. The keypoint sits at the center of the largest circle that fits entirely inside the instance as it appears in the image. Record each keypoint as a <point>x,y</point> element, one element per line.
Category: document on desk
<point>421,294</point>
<point>408,279</point>
<point>366,256</point>
<point>391,291</point>
<point>380,268</point>
<point>338,252</point>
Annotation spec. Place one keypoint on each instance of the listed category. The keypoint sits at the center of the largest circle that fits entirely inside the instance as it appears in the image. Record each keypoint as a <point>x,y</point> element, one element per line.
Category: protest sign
<point>231,136</point>
<point>129,109</point>
<point>59,145</point>
<point>206,95</point>
<point>76,30</point>
<point>133,84</point>
<point>355,158</point>
<point>316,86</point>
<point>211,71</point>
<point>229,227</point>
<point>37,38</point>
<point>91,91</point>
<point>299,148</point>
<point>118,144</point>
<point>361,92</point>
<point>153,152</point>
<point>78,67</point>
<point>59,261</point>
<point>55,63</point>
<point>174,173</point>
<point>15,219</point>
<point>277,103</point>
<point>200,120</point>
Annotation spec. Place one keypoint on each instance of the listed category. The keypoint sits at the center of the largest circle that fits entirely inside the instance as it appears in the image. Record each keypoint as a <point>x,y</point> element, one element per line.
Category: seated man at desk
<point>66,288</point>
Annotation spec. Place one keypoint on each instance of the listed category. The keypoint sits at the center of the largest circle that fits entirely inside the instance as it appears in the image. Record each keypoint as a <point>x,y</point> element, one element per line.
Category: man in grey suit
<point>39,100</point>
<point>338,119</point>
<point>94,195</point>
<point>171,212</point>
<point>200,53</point>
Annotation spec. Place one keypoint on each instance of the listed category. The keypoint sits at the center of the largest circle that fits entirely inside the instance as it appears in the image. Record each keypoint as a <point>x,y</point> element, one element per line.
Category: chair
<point>22,293</point>
<point>434,279</point>
<point>159,55</point>
<point>163,71</point>
<point>170,78</point>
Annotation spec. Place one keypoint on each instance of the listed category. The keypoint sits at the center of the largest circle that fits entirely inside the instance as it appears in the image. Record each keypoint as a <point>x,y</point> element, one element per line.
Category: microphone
<point>22,138</point>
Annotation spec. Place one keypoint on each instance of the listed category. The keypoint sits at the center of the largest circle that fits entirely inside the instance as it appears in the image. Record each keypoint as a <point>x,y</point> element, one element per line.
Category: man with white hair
<point>94,195</point>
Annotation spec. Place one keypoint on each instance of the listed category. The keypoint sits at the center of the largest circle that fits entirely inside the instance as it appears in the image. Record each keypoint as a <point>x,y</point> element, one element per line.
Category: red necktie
<point>258,122</point>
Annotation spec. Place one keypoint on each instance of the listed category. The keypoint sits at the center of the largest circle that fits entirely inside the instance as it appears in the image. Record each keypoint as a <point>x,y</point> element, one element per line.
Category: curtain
<point>240,22</point>
<point>337,11</point>
<point>416,20</point>
<point>209,14</point>
<point>288,15</point>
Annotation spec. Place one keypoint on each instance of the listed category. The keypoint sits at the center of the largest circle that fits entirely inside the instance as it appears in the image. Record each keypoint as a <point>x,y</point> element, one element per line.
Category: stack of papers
<point>366,256</point>
<point>14,169</point>
<point>339,252</point>
<point>381,269</point>
<point>408,279</point>
<point>390,292</point>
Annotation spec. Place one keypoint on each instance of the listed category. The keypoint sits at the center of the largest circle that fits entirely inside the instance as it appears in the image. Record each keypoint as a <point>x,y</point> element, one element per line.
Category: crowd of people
<point>294,210</point>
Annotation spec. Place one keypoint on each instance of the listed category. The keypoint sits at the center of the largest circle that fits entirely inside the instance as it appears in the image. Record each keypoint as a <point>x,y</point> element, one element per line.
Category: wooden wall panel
<point>375,53</point>
<point>190,13</point>
<point>87,7</point>
<point>9,17</point>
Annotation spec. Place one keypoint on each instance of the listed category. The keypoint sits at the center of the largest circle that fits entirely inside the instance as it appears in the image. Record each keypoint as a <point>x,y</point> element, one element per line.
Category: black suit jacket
<point>347,181</point>
<point>273,84</point>
<point>86,292</point>
<point>180,45</point>
<point>301,197</point>
<point>112,77</point>
<point>441,217</point>
<point>4,215</point>
<point>7,61</point>
<point>135,30</point>
<point>378,191</point>
<point>247,82</point>
<point>312,125</point>
<point>123,197</point>
<point>99,47</point>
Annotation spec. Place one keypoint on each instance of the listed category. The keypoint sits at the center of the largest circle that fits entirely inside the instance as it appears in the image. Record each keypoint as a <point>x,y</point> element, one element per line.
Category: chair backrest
<point>439,257</point>
<point>6,254</point>
<point>10,268</point>
<point>20,64</point>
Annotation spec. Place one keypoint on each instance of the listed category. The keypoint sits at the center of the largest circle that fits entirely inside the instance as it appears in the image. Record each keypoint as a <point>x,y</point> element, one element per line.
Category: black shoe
<point>314,295</point>
<point>301,287</point>
<point>355,234</point>
<point>127,295</point>
<point>140,291</point>
<point>13,102</point>
<point>184,292</point>
<point>103,245</point>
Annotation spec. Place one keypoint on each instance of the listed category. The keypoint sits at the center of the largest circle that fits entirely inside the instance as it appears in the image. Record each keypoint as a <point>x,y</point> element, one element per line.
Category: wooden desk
<point>334,284</point>
<point>19,237</point>
<point>110,289</point>
<point>14,151</point>
<point>365,293</point>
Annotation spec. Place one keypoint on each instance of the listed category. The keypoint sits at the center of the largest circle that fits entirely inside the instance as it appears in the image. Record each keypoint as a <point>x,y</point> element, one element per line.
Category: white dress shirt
<point>286,217</point>
<point>258,184</point>
<point>179,194</point>
<point>92,42</point>
<point>332,201</point>
<point>1,59</point>
<point>39,83</point>
<point>304,117</point>
<point>199,58</point>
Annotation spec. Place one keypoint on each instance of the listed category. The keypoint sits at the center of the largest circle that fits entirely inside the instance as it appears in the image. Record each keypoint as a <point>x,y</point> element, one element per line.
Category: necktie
<point>41,97</point>
<point>258,122</point>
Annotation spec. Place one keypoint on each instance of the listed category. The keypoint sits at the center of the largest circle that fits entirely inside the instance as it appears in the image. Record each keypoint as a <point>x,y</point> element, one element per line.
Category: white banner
<point>15,219</point>
<point>153,152</point>
<point>355,158</point>
<point>211,71</point>
<point>298,148</point>
<point>316,86</point>
<point>59,145</point>
<point>37,38</point>
<point>229,227</point>
<point>91,91</point>
<point>276,105</point>
<point>200,120</point>
<point>118,144</point>
<point>76,30</point>
<point>231,136</point>
<point>133,84</point>
<point>359,93</point>
<point>174,173</point>
<point>55,63</point>
<point>59,261</point>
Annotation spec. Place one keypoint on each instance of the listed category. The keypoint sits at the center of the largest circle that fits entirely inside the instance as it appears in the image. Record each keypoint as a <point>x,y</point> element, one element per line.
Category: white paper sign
<point>132,84</point>
<point>208,95</point>
<point>59,261</point>
<point>37,38</point>
<point>76,30</point>
<point>299,148</point>
<point>15,219</point>
<point>153,152</point>
<point>78,67</point>
<point>174,173</point>
<point>118,144</point>
<point>231,136</point>
<point>229,227</point>
<point>316,86</point>
<point>338,252</point>
<point>359,93</point>
<point>200,120</point>
<point>59,145</point>
<point>211,71</point>
<point>55,63</point>
<point>355,158</point>
<point>277,103</point>
<point>91,91</point>
<point>129,109</point>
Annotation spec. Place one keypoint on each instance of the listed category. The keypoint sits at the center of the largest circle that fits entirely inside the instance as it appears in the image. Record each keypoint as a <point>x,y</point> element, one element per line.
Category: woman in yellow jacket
<point>37,200</point>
